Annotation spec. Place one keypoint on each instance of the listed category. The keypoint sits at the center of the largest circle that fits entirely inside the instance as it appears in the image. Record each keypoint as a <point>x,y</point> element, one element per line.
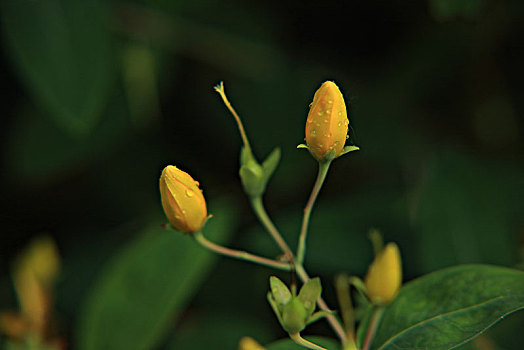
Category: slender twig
<point>373,325</point>
<point>238,254</point>
<point>260,211</point>
<point>323,168</point>
<point>333,321</point>
<point>221,90</point>
<point>305,343</point>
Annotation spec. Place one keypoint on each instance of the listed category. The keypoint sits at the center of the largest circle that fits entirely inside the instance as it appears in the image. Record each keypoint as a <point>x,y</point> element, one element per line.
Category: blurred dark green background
<point>97,97</point>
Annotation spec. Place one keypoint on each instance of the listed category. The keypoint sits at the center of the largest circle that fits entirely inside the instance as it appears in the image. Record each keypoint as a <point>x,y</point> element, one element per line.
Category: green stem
<point>303,342</point>
<point>323,168</point>
<point>260,211</point>
<point>238,254</point>
<point>373,325</point>
<point>346,306</point>
<point>333,321</point>
<point>222,92</point>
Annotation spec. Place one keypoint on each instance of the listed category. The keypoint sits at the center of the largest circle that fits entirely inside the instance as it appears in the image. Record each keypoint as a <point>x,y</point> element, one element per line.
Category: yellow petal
<point>327,121</point>
<point>182,200</point>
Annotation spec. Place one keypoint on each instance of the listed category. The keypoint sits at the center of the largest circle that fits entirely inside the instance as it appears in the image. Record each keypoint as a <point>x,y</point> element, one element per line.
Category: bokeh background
<point>97,97</point>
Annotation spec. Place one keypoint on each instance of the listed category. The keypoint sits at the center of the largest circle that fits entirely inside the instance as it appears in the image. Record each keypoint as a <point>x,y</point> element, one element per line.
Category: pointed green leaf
<point>450,307</point>
<point>279,290</point>
<point>303,145</point>
<point>309,293</point>
<point>270,164</point>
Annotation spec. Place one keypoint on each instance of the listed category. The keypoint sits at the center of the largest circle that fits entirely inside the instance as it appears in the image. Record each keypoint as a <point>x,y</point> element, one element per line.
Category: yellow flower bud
<point>247,343</point>
<point>384,276</point>
<point>182,200</point>
<point>327,121</point>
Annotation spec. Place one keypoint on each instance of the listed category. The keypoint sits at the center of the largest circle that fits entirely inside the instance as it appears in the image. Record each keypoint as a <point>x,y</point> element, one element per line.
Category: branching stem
<point>239,254</point>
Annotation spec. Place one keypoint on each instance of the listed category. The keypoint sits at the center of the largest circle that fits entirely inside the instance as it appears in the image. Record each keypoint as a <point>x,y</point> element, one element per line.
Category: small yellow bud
<point>327,121</point>
<point>182,200</point>
<point>247,343</point>
<point>384,276</point>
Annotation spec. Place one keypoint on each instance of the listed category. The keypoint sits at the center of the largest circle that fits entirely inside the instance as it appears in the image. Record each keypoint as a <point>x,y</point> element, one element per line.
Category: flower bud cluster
<point>293,311</point>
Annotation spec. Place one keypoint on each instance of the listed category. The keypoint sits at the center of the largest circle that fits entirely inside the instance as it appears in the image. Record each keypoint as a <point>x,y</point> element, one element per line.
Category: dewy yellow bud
<point>247,343</point>
<point>183,201</point>
<point>384,275</point>
<point>327,121</point>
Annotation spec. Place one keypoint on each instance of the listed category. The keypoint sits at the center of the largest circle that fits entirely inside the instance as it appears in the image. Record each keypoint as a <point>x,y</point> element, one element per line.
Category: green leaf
<point>450,307</point>
<point>147,285</point>
<point>62,51</point>
<point>288,344</point>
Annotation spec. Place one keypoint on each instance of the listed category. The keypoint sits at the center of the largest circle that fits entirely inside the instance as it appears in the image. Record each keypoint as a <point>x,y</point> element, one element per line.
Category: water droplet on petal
<point>314,132</point>
<point>339,124</point>
<point>190,193</point>
<point>330,102</point>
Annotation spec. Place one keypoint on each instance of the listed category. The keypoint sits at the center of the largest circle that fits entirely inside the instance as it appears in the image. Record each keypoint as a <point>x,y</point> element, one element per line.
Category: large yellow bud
<point>327,122</point>
<point>183,201</point>
<point>384,276</point>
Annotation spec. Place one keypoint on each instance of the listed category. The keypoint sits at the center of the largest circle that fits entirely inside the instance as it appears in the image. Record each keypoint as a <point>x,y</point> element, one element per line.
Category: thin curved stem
<point>221,90</point>
<point>260,211</point>
<point>323,168</point>
<point>305,343</point>
<point>333,321</point>
<point>239,254</point>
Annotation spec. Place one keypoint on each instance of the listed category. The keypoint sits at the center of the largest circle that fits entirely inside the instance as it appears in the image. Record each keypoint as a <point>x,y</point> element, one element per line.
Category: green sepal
<point>309,293</point>
<point>279,290</point>
<point>348,149</point>
<point>270,164</point>
<point>254,177</point>
<point>294,316</point>
<point>318,315</point>
<point>274,306</point>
